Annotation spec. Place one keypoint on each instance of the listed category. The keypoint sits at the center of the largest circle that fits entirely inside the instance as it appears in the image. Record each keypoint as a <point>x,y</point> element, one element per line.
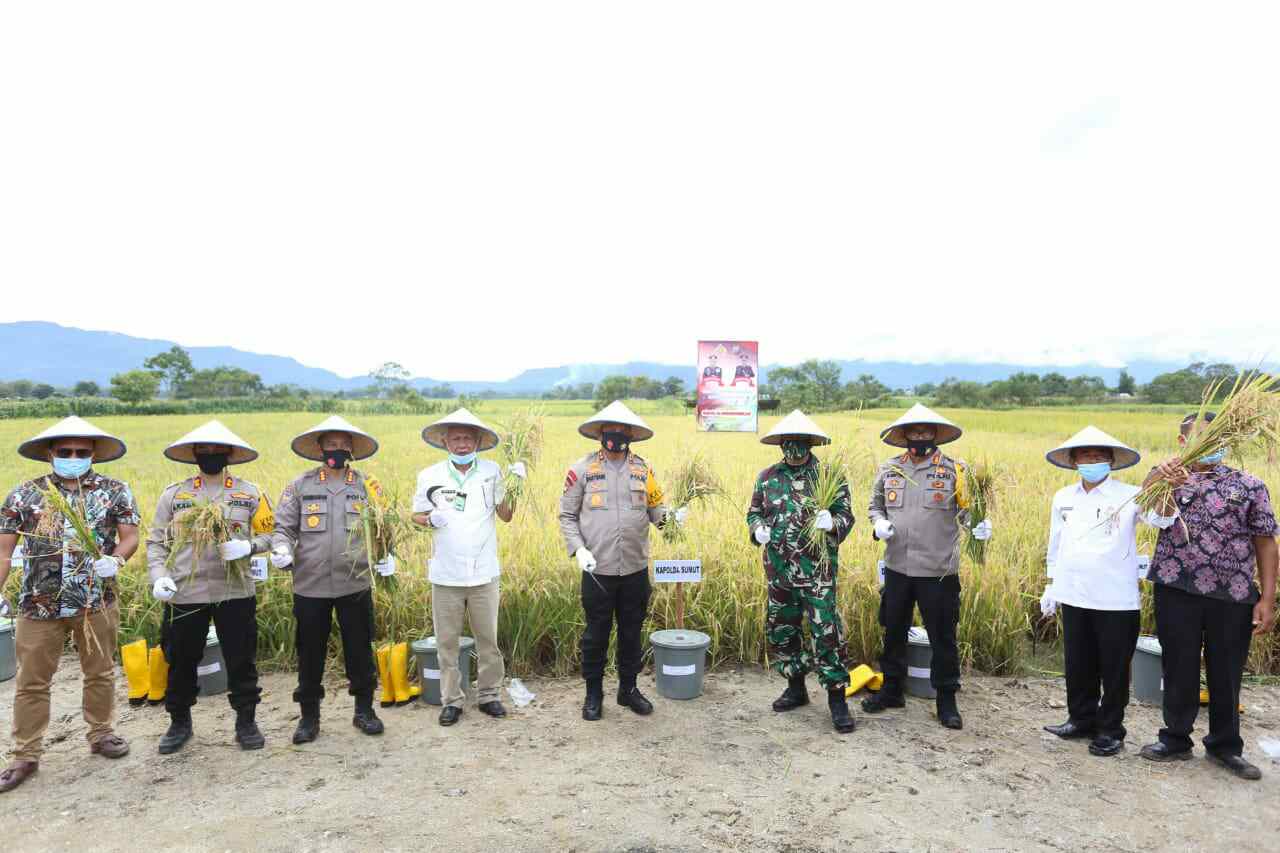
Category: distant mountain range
<point>61,356</point>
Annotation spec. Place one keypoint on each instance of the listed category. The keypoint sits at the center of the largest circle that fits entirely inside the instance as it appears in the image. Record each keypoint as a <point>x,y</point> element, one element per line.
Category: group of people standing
<point>1213,533</point>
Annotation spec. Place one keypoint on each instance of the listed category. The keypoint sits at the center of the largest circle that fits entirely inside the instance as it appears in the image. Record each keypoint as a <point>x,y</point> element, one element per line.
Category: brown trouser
<point>448,603</point>
<point>39,647</point>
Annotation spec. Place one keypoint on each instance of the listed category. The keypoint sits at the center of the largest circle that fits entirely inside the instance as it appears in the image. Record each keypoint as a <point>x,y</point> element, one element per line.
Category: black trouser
<point>939,600</point>
<point>314,619</point>
<point>1098,651</point>
<point>184,631</point>
<point>604,598</point>
<point>1185,623</point>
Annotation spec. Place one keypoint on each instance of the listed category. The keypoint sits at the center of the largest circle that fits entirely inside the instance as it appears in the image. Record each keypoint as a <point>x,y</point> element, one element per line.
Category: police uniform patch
<point>184,496</point>
<point>313,508</point>
<point>893,496</point>
<point>569,479</point>
<point>938,497</point>
<point>313,521</point>
<point>596,500</point>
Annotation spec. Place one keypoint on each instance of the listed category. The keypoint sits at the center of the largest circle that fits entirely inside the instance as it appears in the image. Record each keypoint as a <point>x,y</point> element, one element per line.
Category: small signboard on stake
<point>677,571</point>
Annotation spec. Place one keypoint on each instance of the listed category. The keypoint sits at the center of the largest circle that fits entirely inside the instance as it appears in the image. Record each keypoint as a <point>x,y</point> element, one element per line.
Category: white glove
<point>585,559</point>
<point>4,608</point>
<point>386,567</point>
<point>680,516</point>
<point>884,529</point>
<point>439,517</point>
<point>762,534</point>
<point>824,521</point>
<point>106,567</point>
<point>281,557</point>
<point>1048,604</point>
<point>982,530</point>
<point>235,549</point>
<point>518,469</point>
<point>164,589</point>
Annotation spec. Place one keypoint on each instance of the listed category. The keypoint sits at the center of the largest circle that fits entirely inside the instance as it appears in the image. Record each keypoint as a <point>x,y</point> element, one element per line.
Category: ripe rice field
<point>541,618</point>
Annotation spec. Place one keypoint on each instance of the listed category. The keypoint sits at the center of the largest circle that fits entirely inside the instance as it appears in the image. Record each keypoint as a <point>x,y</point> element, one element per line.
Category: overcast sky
<point>475,188</point>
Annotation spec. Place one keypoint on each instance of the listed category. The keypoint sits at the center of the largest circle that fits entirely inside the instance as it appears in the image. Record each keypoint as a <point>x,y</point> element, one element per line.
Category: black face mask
<point>615,441</point>
<point>212,463</point>
<point>922,448</point>
<point>337,458</point>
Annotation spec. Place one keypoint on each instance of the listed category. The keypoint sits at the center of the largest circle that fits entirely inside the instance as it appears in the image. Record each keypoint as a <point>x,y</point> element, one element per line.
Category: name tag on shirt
<point>460,501</point>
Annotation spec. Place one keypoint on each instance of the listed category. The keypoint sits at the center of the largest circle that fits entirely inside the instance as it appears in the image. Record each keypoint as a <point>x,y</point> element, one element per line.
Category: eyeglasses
<point>77,452</point>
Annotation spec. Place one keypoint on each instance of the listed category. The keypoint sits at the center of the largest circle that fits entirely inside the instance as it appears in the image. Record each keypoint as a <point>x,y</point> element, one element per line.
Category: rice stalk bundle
<point>204,527</point>
<point>383,527</point>
<point>523,438</point>
<point>60,511</point>
<point>832,477</point>
<point>982,482</point>
<point>1247,414</point>
<point>693,480</point>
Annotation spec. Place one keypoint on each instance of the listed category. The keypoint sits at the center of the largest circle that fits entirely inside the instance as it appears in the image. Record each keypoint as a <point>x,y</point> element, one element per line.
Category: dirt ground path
<point>722,772</point>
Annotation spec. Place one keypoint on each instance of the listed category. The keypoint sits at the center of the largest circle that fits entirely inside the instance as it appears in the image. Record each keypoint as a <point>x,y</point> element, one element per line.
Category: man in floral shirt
<point>65,588</point>
<point>1206,598</point>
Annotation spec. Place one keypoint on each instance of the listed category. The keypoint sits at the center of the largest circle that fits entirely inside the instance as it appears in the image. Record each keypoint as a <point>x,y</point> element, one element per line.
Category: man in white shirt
<point>459,498</point>
<point>1093,572</point>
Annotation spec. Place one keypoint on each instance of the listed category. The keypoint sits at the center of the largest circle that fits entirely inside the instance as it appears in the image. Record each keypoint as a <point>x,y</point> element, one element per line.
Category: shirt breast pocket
<point>489,489</point>
<point>639,495</point>
<point>940,495</point>
<point>315,518</point>
<point>596,497</point>
<point>894,495</point>
<point>239,519</point>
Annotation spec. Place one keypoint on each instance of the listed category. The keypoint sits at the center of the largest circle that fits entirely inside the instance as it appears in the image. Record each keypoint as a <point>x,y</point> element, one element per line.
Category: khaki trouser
<point>447,606</point>
<point>39,644</point>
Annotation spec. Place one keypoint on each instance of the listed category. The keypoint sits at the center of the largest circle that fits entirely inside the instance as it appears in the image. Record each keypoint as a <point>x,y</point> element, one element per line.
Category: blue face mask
<point>1213,458</point>
<point>1094,472</point>
<point>71,469</point>
<point>462,460</point>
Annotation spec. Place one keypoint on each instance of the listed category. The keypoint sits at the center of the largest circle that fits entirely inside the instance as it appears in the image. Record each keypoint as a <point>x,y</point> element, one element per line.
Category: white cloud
<point>472,189</point>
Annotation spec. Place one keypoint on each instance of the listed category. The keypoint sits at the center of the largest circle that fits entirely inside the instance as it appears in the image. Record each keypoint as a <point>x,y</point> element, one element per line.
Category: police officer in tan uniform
<point>214,585</point>
<point>918,503</point>
<point>610,498</point>
<point>318,539</point>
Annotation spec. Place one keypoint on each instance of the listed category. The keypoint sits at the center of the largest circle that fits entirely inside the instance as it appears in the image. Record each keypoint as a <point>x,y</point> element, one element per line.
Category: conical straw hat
<point>183,450</point>
<point>1091,436</point>
<point>434,433</point>
<point>307,445</point>
<point>106,447</point>
<point>616,413</point>
<point>796,424</point>
<point>920,414</point>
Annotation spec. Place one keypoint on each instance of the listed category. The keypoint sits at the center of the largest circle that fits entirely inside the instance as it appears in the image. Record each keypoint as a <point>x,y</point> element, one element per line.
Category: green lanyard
<point>460,498</point>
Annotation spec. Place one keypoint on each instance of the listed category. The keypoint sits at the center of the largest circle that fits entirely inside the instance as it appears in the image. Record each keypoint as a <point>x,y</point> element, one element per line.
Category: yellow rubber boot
<point>384,676</point>
<point>133,659</point>
<point>859,677</point>
<point>159,676</point>
<point>876,682</point>
<point>399,664</point>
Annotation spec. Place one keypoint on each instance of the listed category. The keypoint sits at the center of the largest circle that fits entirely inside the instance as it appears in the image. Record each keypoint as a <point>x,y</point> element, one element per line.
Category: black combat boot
<point>794,696</point>
<point>179,731</point>
<point>365,719</point>
<point>890,696</point>
<point>948,713</point>
<point>309,724</point>
<point>629,696</point>
<point>247,733</point>
<point>593,705</point>
<point>840,716</point>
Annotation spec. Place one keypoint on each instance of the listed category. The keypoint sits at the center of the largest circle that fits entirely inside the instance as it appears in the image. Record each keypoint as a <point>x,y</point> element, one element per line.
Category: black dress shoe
<point>449,715</point>
<point>1238,766</point>
<point>1070,730</point>
<point>882,701</point>
<point>1105,745</point>
<point>631,697</point>
<point>593,706</point>
<point>1159,751</point>
<point>493,709</point>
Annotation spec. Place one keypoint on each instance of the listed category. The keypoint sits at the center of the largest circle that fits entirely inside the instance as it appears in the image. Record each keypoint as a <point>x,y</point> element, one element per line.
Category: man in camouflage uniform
<point>65,590</point>
<point>318,539</point>
<point>802,581</point>
<point>214,585</point>
<point>918,504</point>
<point>611,496</point>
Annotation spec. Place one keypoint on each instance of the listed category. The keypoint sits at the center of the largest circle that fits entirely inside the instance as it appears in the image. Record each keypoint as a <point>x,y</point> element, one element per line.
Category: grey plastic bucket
<point>211,672</point>
<point>1148,674</point>
<point>919,661</point>
<point>679,662</point>
<point>428,657</point>
<point>8,650</point>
